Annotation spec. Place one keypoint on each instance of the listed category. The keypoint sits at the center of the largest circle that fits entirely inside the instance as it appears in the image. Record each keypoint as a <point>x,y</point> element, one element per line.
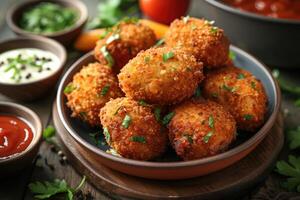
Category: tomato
<point>164,11</point>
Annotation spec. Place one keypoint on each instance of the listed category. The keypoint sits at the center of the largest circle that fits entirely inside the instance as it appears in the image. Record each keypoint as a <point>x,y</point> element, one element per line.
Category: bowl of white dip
<point>30,67</point>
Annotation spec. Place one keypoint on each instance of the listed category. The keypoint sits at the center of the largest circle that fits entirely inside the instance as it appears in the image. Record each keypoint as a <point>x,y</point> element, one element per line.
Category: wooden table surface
<point>49,167</point>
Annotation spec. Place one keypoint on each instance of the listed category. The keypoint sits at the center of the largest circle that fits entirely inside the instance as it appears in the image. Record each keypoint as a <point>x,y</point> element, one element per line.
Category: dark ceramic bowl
<point>65,37</point>
<point>35,89</point>
<point>15,163</point>
<point>275,41</point>
<point>169,166</point>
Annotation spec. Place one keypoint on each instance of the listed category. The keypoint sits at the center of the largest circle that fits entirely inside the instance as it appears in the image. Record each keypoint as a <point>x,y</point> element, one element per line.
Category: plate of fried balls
<point>184,106</point>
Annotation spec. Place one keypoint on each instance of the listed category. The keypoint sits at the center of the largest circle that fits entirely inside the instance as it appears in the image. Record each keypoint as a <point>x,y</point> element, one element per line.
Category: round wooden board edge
<point>109,187</point>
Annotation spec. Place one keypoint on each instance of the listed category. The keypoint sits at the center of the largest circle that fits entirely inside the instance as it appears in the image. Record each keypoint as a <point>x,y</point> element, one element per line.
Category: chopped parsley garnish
<point>168,118</point>
<point>167,56</point>
<point>147,59</point>
<point>214,30</point>
<point>112,38</point>
<point>130,20</point>
<point>107,56</point>
<point>137,138</point>
<point>105,33</point>
<point>248,117</point>
<point>207,136</point>
<point>159,42</point>
<point>211,121</point>
<point>189,138</point>
<point>206,22</point>
<point>157,112</point>
<point>106,134</point>
<point>232,55</point>
<point>69,88</point>
<point>104,90</point>
<point>253,85</point>
<point>228,88</point>
<point>143,103</point>
<point>83,115</point>
<point>186,19</point>
<point>48,132</point>
<point>198,92</point>
<point>126,121</point>
<point>215,95</point>
<point>240,76</point>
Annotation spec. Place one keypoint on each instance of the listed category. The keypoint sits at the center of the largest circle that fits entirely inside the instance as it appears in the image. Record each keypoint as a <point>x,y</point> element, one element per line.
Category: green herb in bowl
<point>48,18</point>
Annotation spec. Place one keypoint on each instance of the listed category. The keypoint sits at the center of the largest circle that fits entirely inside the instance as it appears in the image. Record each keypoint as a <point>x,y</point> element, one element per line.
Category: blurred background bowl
<point>39,88</point>
<point>66,37</point>
<point>15,163</point>
<point>275,41</point>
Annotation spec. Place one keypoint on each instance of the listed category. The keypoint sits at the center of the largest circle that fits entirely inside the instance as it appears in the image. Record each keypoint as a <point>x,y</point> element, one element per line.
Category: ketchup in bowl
<point>15,135</point>
<point>285,9</point>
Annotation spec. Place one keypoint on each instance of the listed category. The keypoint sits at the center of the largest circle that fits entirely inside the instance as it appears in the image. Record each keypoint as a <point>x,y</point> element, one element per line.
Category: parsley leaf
<point>189,138</point>
<point>293,137</point>
<point>208,136</point>
<point>107,135</point>
<point>248,117</point>
<point>228,88</point>
<point>159,42</point>
<point>167,56</point>
<point>104,90</point>
<point>240,76</point>
<point>290,169</point>
<point>285,86</point>
<point>147,59</point>
<point>198,92</point>
<point>157,112</point>
<point>46,189</point>
<point>95,137</point>
<point>69,88</point>
<point>48,132</point>
<point>168,118</point>
<point>214,30</point>
<point>143,103</point>
<point>232,55</point>
<point>126,121</point>
<point>211,121</point>
<point>140,139</point>
<point>108,57</point>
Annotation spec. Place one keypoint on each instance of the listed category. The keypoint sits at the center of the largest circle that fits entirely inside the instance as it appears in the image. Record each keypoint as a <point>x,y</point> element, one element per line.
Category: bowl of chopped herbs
<point>62,20</point>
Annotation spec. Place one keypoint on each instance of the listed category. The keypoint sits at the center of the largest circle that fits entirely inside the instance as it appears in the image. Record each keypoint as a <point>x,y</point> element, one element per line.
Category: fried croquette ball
<point>201,128</point>
<point>122,43</point>
<point>132,130</point>
<point>200,38</point>
<point>161,76</point>
<point>240,92</point>
<point>90,89</point>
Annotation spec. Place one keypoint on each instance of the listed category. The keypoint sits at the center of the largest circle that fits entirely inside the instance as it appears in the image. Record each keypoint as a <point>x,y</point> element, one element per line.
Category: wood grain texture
<point>238,177</point>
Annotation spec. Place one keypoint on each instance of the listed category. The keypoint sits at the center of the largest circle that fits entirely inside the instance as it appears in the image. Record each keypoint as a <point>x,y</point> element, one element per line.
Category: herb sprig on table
<point>110,12</point>
<point>290,168</point>
<point>46,189</point>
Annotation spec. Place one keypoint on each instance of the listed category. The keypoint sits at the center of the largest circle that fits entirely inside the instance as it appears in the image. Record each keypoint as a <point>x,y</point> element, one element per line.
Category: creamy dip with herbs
<point>27,65</point>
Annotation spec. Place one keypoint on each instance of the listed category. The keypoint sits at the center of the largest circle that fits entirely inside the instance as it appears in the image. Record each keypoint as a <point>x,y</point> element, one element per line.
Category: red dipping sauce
<point>285,9</point>
<point>15,135</point>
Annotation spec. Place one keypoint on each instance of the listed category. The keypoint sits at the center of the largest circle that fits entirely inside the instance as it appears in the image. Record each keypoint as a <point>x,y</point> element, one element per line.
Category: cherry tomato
<point>164,11</point>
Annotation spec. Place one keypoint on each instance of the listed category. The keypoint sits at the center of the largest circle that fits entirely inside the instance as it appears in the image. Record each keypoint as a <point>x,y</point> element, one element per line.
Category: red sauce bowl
<point>28,124</point>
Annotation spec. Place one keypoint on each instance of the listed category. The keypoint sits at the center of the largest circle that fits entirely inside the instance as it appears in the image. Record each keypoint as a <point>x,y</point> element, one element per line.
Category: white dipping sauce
<point>27,65</point>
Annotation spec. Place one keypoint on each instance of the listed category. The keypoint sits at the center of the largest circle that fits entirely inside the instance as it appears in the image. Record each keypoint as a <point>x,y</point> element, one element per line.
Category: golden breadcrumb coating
<point>132,130</point>
<point>161,76</point>
<point>240,92</point>
<point>200,38</point>
<point>90,89</point>
<point>124,42</point>
<point>201,128</point>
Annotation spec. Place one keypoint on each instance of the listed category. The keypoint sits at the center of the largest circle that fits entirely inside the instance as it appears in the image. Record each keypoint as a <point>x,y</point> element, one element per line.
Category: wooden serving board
<point>231,182</point>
